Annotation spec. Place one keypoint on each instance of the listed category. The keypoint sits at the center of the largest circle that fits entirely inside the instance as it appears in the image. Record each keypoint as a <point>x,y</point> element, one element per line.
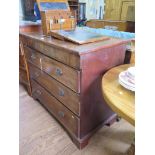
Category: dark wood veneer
<point>84,66</point>
<point>66,117</point>
<point>69,98</point>
<point>63,73</point>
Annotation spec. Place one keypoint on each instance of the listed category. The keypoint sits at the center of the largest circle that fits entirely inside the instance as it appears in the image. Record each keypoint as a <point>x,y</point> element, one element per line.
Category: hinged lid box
<point>55,15</point>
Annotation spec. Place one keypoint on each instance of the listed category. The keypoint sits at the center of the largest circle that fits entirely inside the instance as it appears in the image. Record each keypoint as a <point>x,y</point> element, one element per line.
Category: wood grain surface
<point>120,99</point>
<point>69,98</point>
<point>41,134</point>
<point>55,58</point>
<point>52,12</point>
<point>119,10</point>
<point>63,73</point>
<point>63,55</point>
<point>60,112</point>
<point>69,47</point>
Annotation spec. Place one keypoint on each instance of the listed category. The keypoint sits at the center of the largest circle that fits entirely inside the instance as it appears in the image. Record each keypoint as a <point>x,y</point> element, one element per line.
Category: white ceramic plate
<point>126,86</point>
<point>131,72</point>
<point>123,77</point>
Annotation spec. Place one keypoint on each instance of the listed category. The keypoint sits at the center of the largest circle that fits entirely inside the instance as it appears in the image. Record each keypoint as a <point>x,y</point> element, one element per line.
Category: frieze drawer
<point>59,54</point>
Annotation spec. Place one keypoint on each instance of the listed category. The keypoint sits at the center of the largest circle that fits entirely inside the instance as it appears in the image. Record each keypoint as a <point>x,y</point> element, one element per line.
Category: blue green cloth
<point>111,33</point>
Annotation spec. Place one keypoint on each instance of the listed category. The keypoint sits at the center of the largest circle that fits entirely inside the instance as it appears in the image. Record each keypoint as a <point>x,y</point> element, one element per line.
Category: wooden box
<point>55,15</point>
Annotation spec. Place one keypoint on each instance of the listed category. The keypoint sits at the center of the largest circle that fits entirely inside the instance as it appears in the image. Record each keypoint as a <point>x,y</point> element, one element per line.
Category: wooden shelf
<point>75,7</point>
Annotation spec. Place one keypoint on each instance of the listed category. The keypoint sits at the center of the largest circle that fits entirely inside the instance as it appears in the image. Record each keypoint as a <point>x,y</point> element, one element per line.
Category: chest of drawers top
<point>69,46</point>
<point>64,51</point>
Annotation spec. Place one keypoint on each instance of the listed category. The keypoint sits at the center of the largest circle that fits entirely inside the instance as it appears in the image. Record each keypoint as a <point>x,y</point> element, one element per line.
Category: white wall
<point>93,7</point>
<point>20,11</point>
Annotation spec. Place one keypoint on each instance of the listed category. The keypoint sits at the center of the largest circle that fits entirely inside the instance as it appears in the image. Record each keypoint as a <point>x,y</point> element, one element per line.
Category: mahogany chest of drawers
<point>66,79</point>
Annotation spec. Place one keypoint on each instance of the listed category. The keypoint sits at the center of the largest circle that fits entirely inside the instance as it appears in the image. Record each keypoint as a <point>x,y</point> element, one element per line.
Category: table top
<point>120,99</point>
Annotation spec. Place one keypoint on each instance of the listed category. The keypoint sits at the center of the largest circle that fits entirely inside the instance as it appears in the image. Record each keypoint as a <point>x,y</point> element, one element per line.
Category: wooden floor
<point>40,134</point>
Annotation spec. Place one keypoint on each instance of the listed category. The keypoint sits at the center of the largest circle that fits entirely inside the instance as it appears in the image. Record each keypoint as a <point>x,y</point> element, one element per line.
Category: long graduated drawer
<point>63,73</point>
<point>69,98</point>
<point>63,115</point>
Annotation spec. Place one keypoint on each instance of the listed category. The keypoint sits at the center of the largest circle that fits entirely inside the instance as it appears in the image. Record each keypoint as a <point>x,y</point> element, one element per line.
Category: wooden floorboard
<point>41,134</point>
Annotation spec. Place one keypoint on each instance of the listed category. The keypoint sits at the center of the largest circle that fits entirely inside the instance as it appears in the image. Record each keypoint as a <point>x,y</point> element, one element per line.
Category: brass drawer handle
<point>58,72</point>
<point>61,92</point>
<point>38,92</point>
<point>61,114</point>
<point>33,56</point>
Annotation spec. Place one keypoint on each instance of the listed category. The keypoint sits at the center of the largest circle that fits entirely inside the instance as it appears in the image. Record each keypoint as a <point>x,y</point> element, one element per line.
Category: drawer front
<point>66,117</point>
<point>62,55</point>
<point>23,76</point>
<point>62,93</point>
<point>64,74</point>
